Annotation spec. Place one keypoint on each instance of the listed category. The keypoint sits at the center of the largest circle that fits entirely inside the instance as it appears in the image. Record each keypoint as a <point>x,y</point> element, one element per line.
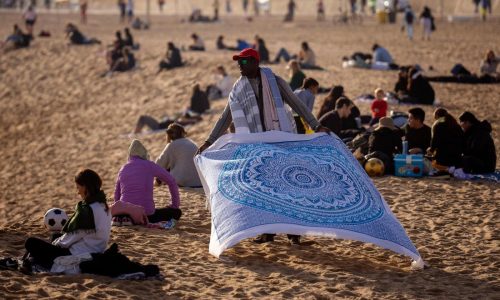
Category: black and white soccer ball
<point>54,219</point>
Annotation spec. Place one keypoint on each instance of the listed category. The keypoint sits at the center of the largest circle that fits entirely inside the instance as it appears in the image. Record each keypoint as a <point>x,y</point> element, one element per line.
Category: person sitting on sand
<point>447,142</point>
<point>134,184</point>
<point>77,38</point>
<point>172,58</point>
<point>129,39</point>
<point>116,49</point>
<point>330,100</point>
<point>306,57</point>
<point>255,120</point>
<point>333,119</point>
<point>198,44</point>
<point>489,65</point>
<point>378,106</point>
<point>479,152</point>
<point>223,85</point>
<point>199,102</point>
<point>306,94</point>
<point>385,141</point>
<point>124,63</point>
<point>177,157</point>
<point>18,39</point>
<point>419,90</point>
<point>417,133</point>
<point>380,54</point>
<point>87,230</point>
<point>260,46</point>
<point>296,75</point>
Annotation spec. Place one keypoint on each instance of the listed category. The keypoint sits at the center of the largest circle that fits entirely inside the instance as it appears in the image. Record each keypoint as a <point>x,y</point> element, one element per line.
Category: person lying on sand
<point>306,57</point>
<point>18,39</point>
<point>77,38</point>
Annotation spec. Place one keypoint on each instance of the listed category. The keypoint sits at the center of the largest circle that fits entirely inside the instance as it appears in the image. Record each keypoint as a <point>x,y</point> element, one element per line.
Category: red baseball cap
<point>245,53</point>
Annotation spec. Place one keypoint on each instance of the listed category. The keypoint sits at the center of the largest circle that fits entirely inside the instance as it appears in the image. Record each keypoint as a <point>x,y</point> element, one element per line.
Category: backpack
<point>409,17</point>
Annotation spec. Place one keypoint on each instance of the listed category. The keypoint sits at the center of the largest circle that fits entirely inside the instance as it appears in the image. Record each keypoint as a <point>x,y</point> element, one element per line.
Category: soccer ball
<point>374,167</point>
<point>54,219</point>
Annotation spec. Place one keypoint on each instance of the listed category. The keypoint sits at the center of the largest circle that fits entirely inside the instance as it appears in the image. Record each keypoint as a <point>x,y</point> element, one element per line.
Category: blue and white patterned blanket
<point>277,182</point>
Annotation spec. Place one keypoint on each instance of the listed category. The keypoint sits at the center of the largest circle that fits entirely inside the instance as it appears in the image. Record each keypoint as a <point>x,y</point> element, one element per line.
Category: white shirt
<point>84,242</point>
<point>199,43</point>
<point>225,85</point>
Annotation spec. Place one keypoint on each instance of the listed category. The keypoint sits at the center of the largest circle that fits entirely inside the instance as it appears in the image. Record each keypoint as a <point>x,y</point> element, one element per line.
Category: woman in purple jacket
<point>134,185</point>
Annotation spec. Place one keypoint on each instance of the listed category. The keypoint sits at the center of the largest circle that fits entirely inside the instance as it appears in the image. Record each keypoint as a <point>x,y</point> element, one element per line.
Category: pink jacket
<point>135,180</point>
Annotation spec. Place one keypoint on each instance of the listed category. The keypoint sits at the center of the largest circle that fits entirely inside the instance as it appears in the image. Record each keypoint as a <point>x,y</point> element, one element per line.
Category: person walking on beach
<point>29,17</point>
<point>320,11</point>
<point>122,6</point>
<point>427,23</point>
<point>290,11</point>
<point>256,96</point>
<point>409,18</point>
<point>83,11</point>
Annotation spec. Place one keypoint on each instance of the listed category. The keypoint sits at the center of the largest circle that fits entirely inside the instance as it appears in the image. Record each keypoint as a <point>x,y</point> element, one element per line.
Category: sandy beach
<point>58,116</point>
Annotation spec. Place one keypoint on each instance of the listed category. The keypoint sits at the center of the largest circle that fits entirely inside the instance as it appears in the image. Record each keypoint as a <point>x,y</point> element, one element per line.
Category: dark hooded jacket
<point>479,144</point>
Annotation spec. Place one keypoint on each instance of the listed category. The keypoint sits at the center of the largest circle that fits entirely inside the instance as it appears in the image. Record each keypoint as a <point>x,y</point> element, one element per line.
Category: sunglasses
<point>244,61</point>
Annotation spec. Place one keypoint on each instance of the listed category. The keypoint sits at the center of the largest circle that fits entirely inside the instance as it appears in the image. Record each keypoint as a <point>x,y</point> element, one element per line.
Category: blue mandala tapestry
<point>276,182</point>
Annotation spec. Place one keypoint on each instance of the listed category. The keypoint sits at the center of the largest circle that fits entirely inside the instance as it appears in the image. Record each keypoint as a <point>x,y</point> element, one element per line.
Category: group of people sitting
<point>466,146</point>
<point>487,72</point>
<point>120,57</point>
<point>88,230</point>
<point>199,103</point>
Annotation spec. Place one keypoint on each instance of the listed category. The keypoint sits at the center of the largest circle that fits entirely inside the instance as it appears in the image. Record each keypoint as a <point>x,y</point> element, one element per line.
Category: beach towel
<point>278,182</point>
<point>245,110</point>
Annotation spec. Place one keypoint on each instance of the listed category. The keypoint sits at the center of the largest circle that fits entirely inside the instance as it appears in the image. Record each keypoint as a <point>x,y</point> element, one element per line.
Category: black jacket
<point>479,144</point>
<point>385,140</point>
<point>448,142</point>
<point>421,91</point>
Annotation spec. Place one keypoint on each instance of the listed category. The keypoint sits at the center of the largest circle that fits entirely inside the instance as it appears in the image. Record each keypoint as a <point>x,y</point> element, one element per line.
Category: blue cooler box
<point>409,165</point>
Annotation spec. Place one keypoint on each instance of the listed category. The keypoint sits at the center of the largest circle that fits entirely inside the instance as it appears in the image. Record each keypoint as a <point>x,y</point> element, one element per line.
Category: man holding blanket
<point>257,104</point>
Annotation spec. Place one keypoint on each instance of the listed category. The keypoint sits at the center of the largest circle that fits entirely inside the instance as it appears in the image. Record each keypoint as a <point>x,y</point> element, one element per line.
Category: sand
<point>58,115</point>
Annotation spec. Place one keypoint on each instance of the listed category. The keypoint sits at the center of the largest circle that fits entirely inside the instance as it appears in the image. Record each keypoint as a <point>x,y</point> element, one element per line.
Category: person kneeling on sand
<point>134,184</point>
<point>87,230</point>
<point>177,157</point>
